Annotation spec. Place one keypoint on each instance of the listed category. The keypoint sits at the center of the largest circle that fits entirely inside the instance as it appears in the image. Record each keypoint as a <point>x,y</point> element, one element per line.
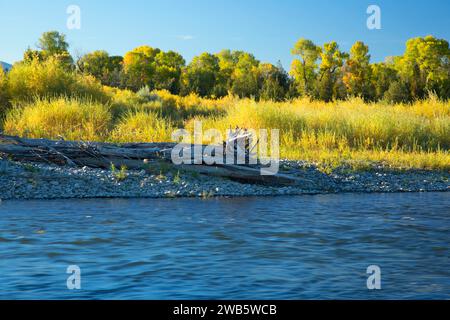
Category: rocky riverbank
<point>41,181</point>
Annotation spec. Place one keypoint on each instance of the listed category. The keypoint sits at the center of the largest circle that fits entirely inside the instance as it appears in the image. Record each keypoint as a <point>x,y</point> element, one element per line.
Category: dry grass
<point>350,132</point>
<point>142,127</point>
<point>72,119</point>
<point>343,132</point>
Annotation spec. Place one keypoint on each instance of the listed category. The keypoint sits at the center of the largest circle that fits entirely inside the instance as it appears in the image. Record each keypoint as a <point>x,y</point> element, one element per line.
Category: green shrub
<point>146,95</point>
<point>119,175</point>
<point>72,119</point>
<point>397,93</point>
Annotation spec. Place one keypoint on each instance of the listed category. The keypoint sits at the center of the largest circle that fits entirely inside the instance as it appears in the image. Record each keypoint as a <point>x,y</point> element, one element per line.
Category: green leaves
<point>304,68</point>
<point>357,72</point>
<point>425,66</point>
<point>53,42</point>
<point>201,75</point>
<point>319,72</point>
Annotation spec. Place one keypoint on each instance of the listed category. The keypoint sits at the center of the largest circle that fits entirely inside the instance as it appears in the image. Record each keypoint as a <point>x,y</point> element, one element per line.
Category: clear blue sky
<point>267,28</point>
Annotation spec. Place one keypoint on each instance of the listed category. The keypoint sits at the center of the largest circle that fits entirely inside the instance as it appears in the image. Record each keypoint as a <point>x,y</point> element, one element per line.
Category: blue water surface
<point>302,247</point>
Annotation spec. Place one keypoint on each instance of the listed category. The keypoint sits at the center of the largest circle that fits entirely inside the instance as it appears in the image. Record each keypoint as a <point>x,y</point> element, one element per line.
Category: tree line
<point>320,72</point>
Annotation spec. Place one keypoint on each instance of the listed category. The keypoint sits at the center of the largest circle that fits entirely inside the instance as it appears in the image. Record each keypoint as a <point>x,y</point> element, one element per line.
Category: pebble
<point>53,182</point>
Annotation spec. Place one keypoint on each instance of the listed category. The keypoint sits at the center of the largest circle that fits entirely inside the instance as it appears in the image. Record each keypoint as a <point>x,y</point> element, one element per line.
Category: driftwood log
<point>131,155</point>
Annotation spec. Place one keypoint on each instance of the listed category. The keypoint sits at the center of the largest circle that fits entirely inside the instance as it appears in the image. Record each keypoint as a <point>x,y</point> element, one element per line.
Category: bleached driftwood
<point>131,155</point>
<point>80,153</point>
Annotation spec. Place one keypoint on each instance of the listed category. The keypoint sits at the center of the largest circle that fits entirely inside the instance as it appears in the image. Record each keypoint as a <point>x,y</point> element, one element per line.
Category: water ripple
<point>251,248</point>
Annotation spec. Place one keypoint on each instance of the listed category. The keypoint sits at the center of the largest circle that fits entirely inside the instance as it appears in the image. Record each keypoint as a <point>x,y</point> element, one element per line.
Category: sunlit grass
<point>351,133</point>
<point>142,126</point>
<point>72,119</point>
<point>353,123</point>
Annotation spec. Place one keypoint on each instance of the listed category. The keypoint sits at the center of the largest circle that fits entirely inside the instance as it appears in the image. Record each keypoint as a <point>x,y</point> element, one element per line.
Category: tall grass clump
<point>73,119</point>
<point>141,126</point>
<point>48,79</point>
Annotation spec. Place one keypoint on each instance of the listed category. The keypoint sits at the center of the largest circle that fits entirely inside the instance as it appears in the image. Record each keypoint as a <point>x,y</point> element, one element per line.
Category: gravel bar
<point>42,181</point>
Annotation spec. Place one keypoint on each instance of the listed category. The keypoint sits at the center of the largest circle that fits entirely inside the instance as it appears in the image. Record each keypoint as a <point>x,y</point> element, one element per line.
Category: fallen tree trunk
<point>131,155</point>
<point>80,153</point>
<point>246,175</point>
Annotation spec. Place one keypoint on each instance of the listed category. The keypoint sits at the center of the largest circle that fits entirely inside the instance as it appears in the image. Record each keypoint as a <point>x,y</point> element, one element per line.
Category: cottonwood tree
<point>201,75</point>
<point>54,44</point>
<point>304,68</point>
<point>274,82</point>
<point>383,76</point>
<point>102,66</point>
<point>139,67</point>
<point>95,63</point>
<point>169,66</point>
<point>245,76</point>
<point>425,66</point>
<point>330,72</point>
<point>51,44</point>
<point>357,71</point>
<point>227,63</point>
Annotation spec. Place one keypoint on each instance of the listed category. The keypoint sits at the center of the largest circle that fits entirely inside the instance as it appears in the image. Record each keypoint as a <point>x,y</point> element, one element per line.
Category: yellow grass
<point>142,127</point>
<point>350,132</point>
<point>48,79</point>
<point>332,134</point>
<point>70,118</point>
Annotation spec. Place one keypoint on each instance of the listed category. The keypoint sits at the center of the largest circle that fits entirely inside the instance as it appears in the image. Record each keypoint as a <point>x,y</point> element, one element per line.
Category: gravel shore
<point>41,181</point>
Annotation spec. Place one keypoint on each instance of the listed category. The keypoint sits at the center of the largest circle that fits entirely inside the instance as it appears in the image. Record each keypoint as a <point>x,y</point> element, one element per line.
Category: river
<point>299,247</point>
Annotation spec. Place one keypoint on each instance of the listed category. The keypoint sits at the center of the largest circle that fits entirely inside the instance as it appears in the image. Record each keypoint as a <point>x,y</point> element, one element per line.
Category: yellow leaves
<point>331,56</point>
<point>140,53</point>
<point>306,49</point>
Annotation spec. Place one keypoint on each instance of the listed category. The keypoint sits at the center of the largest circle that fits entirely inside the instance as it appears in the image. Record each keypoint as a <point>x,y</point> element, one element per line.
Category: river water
<point>303,247</point>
